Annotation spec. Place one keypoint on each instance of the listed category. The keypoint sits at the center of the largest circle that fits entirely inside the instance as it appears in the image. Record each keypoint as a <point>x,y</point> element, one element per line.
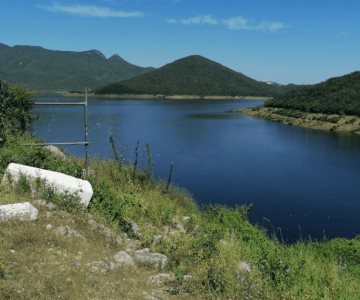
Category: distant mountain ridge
<point>193,75</point>
<point>339,95</point>
<point>43,69</point>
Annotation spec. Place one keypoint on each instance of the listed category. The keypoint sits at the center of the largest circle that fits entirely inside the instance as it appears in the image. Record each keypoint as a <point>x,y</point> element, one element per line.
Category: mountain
<point>340,95</point>
<point>43,69</point>
<point>193,75</point>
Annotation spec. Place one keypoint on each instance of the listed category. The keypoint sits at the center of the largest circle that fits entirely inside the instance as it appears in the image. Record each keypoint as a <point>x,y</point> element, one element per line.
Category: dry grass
<point>40,263</point>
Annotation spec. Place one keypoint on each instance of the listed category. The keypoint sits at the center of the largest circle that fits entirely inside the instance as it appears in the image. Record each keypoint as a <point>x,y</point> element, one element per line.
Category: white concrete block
<point>60,182</point>
<point>19,211</point>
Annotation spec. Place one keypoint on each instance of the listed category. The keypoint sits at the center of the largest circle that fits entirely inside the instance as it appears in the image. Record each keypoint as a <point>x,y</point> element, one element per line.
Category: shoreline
<point>164,97</point>
<point>327,122</point>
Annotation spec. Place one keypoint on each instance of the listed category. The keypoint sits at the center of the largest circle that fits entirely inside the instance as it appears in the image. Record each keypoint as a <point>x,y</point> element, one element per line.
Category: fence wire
<point>62,123</point>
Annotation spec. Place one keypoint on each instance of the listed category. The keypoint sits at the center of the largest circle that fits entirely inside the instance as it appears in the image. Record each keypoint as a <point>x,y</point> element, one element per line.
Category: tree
<point>15,109</point>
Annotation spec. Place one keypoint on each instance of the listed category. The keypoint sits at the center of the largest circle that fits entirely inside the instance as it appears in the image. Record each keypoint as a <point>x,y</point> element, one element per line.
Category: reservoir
<point>302,183</point>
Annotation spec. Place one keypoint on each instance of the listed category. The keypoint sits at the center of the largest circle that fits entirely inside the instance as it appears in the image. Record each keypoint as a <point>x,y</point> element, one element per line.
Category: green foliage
<point>43,69</point>
<point>23,186</point>
<point>15,109</point>
<point>339,95</point>
<point>193,75</point>
<point>346,251</point>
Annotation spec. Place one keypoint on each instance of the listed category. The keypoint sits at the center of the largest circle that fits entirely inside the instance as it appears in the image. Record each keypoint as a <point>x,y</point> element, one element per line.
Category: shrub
<point>15,109</point>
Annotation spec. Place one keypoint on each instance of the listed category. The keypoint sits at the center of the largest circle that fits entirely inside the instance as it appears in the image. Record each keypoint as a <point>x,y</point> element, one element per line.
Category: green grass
<point>208,244</point>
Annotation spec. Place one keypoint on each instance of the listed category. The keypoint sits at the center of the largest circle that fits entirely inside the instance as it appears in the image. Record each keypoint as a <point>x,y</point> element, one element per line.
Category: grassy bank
<point>213,252</point>
<point>328,122</point>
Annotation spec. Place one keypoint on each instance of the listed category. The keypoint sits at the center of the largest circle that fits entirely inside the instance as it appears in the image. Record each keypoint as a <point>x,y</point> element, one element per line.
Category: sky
<point>286,41</point>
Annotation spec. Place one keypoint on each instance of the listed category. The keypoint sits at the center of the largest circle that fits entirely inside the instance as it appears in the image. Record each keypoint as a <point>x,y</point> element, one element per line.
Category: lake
<point>302,182</point>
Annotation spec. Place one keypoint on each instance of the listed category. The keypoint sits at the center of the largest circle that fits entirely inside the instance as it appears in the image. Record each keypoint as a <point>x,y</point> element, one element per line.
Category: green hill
<point>193,75</point>
<point>43,69</point>
<point>340,95</point>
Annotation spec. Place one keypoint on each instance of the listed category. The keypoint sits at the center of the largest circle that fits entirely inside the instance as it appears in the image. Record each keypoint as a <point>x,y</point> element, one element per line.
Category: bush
<point>15,109</point>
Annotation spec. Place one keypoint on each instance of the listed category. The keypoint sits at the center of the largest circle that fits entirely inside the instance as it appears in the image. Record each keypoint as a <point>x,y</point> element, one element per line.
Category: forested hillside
<point>193,75</point>
<point>43,69</point>
<point>340,95</point>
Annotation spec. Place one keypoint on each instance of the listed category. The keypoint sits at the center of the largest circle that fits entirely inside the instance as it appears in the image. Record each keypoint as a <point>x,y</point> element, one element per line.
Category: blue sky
<point>298,41</point>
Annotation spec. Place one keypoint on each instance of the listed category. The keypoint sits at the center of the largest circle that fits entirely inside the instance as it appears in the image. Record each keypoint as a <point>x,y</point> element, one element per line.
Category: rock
<point>93,224</point>
<point>61,183</point>
<point>56,152</point>
<point>186,218</point>
<point>69,232</point>
<point>105,231</point>
<point>40,202</point>
<point>50,206</point>
<point>64,214</point>
<point>123,258</point>
<point>19,211</point>
<point>161,279</point>
<point>49,227</point>
<point>134,227</point>
<point>179,226</point>
<point>157,238</point>
<point>156,260</point>
<point>102,266</point>
<point>187,278</point>
<point>133,245</point>
<point>118,240</point>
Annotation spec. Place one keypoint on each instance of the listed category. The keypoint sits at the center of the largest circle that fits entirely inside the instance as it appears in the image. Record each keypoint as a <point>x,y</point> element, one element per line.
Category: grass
<point>206,247</point>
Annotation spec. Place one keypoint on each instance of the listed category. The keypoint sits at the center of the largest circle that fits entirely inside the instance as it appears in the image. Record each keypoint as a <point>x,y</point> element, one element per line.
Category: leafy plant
<point>15,109</point>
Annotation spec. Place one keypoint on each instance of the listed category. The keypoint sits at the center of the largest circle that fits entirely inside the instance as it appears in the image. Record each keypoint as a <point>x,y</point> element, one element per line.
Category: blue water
<point>302,182</point>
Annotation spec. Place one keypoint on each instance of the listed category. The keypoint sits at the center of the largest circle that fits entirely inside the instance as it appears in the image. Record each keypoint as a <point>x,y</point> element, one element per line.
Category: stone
<point>69,232</point>
<point>179,226</point>
<point>40,202</point>
<point>123,258</point>
<point>19,211</point>
<point>61,183</point>
<point>161,279</point>
<point>105,231</point>
<point>135,227</point>
<point>156,260</point>
<point>102,266</point>
<point>56,152</point>
<point>49,227</point>
<point>50,206</point>
<point>118,240</point>
<point>133,245</point>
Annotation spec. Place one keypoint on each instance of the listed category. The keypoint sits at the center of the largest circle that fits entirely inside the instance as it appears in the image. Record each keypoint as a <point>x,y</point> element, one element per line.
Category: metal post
<point>86,134</point>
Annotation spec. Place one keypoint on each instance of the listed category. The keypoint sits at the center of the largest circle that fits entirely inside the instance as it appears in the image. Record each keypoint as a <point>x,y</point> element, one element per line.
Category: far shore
<point>166,97</point>
<point>328,122</point>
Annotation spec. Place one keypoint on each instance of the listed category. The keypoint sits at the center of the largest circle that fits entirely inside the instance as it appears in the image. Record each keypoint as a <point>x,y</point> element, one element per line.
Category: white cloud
<point>234,23</point>
<point>92,11</point>
<point>198,20</point>
<point>241,23</point>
